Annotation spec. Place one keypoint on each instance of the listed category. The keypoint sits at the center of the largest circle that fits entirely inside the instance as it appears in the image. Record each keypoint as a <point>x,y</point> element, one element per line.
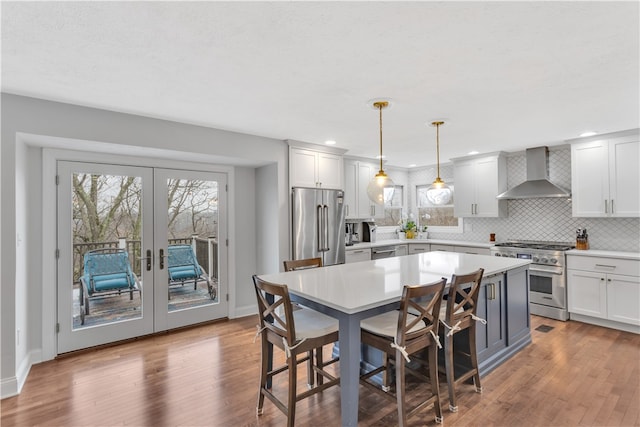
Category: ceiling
<point>503,75</point>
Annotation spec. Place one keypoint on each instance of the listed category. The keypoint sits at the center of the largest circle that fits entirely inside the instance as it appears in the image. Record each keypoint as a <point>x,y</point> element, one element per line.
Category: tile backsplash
<point>536,219</point>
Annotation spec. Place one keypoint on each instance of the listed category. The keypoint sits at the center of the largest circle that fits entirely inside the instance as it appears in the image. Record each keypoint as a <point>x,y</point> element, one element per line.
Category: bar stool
<point>303,264</point>
<point>294,332</point>
<point>402,333</point>
<point>458,313</point>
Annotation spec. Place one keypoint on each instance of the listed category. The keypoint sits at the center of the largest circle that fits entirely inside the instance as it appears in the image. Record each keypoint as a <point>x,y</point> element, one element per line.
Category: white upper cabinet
<point>477,182</point>
<point>357,203</point>
<point>310,168</point>
<point>604,178</point>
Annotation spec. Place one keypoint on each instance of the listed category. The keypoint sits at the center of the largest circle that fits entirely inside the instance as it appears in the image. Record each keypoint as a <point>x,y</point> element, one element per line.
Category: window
<point>437,218</point>
<point>392,209</point>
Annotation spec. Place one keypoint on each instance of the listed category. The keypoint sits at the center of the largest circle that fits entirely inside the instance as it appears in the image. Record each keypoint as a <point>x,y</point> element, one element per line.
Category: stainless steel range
<point>547,279</point>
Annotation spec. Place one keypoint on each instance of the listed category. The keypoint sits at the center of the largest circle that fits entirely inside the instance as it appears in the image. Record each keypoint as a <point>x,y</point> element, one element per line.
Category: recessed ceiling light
<point>473,152</point>
<point>412,165</point>
<point>588,133</point>
<point>330,142</point>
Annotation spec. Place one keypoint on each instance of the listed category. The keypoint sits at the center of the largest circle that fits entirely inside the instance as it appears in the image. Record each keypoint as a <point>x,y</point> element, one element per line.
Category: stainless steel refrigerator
<point>318,224</point>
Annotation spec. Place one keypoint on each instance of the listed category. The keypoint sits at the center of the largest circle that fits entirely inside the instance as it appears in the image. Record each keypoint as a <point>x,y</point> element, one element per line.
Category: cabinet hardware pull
<point>612,206</point>
<point>608,280</point>
<point>605,266</point>
<point>602,279</point>
<point>606,205</point>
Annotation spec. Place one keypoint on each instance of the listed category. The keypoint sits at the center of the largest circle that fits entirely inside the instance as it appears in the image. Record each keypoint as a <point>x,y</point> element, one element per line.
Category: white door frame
<point>157,158</point>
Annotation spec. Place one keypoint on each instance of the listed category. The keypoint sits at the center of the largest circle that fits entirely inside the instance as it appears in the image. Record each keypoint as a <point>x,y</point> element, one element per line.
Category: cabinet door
<point>623,294</point>
<point>357,255</point>
<point>366,172</point>
<point>303,168</point>
<point>491,307</point>
<point>465,188</point>
<point>329,171</point>
<point>486,180</point>
<point>590,179</point>
<point>587,293</point>
<point>351,188</point>
<point>401,250</point>
<point>417,248</point>
<point>517,294</point>
<point>624,178</point>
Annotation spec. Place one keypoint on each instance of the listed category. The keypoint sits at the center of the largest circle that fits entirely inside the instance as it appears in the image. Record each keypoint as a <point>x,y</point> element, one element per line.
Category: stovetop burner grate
<point>549,246</point>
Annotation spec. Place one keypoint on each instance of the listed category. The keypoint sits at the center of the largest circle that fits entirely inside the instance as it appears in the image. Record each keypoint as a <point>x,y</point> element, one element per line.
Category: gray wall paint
<point>21,194</point>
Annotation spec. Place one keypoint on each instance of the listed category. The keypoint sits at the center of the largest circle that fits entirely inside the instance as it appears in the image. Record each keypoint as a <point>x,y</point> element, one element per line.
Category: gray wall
<point>28,124</point>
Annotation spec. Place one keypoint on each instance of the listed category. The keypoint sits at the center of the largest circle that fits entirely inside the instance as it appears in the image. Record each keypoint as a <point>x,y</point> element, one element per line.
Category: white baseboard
<point>247,310</point>
<point>605,323</point>
<point>13,385</point>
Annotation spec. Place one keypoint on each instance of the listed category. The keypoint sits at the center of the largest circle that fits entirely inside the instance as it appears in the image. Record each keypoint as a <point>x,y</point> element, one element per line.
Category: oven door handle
<point>390,251</point>
<point>557,271</point>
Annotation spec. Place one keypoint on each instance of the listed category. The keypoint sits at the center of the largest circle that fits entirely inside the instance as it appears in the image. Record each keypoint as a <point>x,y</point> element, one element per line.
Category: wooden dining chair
<point>303,264</point>
<point>400,334</point>
<point>295,332</point>
<point>458,313</point>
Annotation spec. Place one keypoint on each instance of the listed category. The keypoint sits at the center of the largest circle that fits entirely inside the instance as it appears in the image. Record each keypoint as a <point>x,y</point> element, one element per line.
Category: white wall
<point>24,120</point>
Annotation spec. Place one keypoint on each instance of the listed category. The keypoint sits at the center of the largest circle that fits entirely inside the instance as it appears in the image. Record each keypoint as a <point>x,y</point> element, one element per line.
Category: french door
<point>141,250</point>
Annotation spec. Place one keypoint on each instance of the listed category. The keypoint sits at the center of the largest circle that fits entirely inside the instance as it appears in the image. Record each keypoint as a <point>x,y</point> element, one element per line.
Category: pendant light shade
<point>438,193</point>
<point>381,187</point>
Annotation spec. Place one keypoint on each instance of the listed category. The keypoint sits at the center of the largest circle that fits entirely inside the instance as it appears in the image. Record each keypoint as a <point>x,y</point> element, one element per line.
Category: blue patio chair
<point>183,268</point>
<point>107,271</point>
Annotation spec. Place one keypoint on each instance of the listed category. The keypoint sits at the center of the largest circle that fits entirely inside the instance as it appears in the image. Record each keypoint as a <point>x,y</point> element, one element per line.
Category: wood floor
<point>574,375</point>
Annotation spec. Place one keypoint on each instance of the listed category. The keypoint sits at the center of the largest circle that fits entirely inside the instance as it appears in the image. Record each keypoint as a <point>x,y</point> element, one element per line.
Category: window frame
<point>459,229</point>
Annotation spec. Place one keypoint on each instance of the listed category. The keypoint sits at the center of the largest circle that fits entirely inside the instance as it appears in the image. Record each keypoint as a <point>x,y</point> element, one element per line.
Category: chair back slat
<point>420,306</point>
<point>462,299</point>
<point>301,264</point>
<point>274,309</point>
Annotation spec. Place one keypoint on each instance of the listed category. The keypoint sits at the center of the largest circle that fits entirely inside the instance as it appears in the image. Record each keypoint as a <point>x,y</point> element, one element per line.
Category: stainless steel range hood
<point>537,184</point>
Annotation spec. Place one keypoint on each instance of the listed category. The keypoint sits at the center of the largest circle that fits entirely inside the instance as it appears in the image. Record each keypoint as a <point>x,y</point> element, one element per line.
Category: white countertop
<point>367,245</point>
<point>356,287</point>
<point>605,254</point>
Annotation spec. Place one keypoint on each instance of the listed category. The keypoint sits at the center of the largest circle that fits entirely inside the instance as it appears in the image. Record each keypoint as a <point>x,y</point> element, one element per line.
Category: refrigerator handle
<point>326,227</point>
<point>319,225</point>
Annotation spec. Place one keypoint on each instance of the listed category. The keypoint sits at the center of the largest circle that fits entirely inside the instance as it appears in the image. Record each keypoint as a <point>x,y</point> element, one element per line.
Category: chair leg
<point>320,365</point>
<point>386,374</point>
<point>474,359</point>
<point>400,391</point>
<point>310,371</point>
<point>264,368</point>
<point>451,380</point>
<point>435,383</point>
<point>293,390</point>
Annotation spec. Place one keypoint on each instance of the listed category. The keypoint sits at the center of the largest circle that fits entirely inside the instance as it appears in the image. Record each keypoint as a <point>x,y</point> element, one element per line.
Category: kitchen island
<point>351,292</point>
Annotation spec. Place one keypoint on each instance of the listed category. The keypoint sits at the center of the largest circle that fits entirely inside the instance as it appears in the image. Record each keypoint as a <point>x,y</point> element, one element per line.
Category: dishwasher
<point>388,251</point>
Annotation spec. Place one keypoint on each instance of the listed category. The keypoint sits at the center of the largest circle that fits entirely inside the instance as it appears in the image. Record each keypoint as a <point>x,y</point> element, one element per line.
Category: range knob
<point>497,254</point>
<point>535,259</point>
<point>544,260</point>
<point>553,261</point>
<point>512,255</point>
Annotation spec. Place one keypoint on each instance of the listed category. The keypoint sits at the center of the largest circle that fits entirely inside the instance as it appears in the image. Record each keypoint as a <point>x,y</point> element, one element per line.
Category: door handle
<point>161,259</point>
<point>325,214</point>
<point>148,259</point>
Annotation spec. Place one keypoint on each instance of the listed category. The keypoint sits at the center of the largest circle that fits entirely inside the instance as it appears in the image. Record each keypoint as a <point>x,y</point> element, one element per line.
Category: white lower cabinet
<point>357,255</point>
<point>416,248</point>
<point>604,288</point>
<point>461,249</point>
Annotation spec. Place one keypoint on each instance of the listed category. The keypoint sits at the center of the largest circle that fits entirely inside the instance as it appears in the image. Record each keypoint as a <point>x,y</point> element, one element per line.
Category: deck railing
<point>206,250</point>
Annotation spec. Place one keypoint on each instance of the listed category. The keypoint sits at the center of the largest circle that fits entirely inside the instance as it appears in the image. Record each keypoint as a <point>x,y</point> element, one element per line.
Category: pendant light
<point>438,193</point>
<point>381,187</point>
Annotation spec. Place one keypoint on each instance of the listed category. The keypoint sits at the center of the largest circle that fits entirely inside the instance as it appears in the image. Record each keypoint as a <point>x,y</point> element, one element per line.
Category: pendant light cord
<point>380,110</point>
<point>438,147</point>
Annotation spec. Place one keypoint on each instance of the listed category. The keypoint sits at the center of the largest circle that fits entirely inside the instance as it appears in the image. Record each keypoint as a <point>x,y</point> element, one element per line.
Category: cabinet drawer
<point>626,267</point>
<point>357,255</point>
<point>472,250</point>
<point>416,248</point>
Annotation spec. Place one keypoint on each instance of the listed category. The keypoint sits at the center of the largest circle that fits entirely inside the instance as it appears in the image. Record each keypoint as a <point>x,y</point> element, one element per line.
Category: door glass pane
<point>192,230</point>
<point>106,230</point>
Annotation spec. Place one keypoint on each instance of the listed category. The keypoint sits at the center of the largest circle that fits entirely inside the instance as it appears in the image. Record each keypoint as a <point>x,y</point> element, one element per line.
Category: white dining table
<point>355,291</point>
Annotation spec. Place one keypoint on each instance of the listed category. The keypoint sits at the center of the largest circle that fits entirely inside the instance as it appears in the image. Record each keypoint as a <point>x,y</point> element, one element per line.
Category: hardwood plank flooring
<point>574,375</point>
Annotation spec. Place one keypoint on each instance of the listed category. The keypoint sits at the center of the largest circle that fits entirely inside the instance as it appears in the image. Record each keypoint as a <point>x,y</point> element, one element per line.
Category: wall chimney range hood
<point>537,184</point>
